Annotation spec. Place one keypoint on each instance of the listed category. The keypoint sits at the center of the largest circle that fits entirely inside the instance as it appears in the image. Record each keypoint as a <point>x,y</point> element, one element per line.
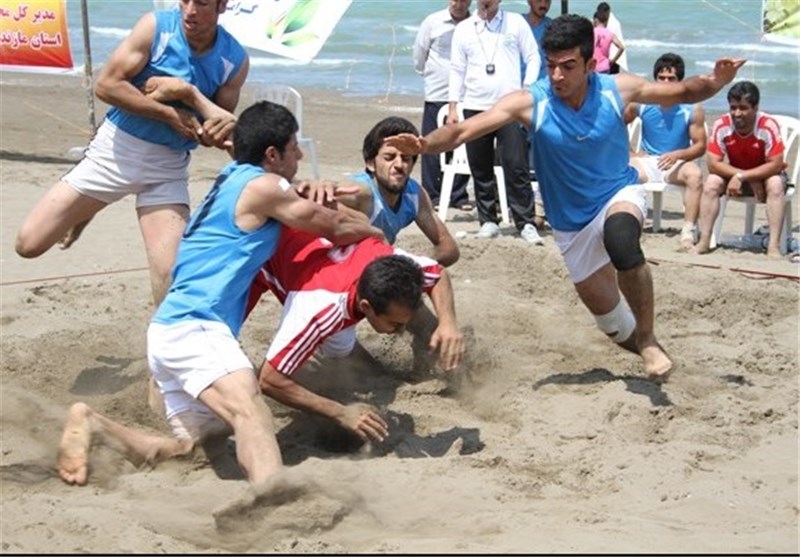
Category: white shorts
<point>583,251</point>
<point>654,173</point>
<point>117,164</point>
<point>185,358</point>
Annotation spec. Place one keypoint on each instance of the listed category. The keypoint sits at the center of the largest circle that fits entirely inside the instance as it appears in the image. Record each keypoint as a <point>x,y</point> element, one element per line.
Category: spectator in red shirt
<point>744,158</point>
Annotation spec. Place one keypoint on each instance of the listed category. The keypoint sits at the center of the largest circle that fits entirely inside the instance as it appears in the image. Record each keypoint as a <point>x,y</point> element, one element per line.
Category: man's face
<point>392,321</point>
<point>539,7</point>
<point>667,75</point>
<point>285,164</point>
<point>568,72</point>
<point>391,169</point>
<point>200,16</point>
<point>459,8</point>
<point>743,115</point>
<point>487,9</point>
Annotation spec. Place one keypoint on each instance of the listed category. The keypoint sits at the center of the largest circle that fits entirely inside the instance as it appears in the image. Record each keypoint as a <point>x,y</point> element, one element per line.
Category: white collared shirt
<point>500,42</point>
<point>432,53</point>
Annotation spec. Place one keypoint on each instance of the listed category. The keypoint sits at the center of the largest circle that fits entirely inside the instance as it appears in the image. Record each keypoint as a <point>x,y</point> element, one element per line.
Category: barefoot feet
<point>73,451</point>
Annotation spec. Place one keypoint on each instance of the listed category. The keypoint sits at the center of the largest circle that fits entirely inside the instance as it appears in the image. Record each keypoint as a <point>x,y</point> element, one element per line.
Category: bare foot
<point>73,451</point>
<point>774,252</point>
<point>72,235</point>
<point>657,365</point>
<point>700,248</point>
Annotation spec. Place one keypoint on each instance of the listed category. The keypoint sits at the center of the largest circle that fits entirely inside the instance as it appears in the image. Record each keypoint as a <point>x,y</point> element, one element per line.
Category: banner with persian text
<point>34,36</point>
<point>295,29</point>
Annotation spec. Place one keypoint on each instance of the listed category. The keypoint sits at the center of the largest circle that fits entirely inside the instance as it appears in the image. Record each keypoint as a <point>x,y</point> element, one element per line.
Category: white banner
<point>295,29</point>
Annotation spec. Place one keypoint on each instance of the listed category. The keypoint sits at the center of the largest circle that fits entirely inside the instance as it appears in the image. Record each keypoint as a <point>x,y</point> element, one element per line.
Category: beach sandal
<point>466,206</point>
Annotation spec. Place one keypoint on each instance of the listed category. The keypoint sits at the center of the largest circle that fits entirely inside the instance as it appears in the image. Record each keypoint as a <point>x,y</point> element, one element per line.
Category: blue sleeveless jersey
<point>665,129</point>
<point>391,220</point>
<point>581,157</point>
<point>171,55</point>
<point>217,261</point>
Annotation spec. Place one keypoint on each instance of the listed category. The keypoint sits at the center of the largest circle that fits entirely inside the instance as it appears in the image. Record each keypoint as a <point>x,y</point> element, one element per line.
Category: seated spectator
<point>603,39</point>
<point>744,158</point>
<point>672,138</point>
<point>325,291</point>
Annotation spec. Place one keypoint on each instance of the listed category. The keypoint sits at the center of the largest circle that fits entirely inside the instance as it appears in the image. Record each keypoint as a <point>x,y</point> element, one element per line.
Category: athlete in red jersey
<point>745,157</point>
<point>326,290</point>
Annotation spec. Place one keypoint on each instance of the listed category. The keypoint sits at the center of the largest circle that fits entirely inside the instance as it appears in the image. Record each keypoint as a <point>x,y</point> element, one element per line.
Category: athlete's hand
<point>725,70</point>
<point>406,143</point>
<point>666,161</point>
<point>324,192</point>
<point>450,343</point>
<point>186,125</point>
<point>365,421</point>
<point>734,187</point>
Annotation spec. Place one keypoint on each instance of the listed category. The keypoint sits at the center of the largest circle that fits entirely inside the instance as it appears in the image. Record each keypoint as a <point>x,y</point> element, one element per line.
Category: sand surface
<point>548,440</point>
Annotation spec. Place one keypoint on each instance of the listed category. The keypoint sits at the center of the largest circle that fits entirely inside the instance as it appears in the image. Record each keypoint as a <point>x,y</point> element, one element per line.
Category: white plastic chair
<point>790,128</point>
<point>290,98</point>
<point>459,164</point>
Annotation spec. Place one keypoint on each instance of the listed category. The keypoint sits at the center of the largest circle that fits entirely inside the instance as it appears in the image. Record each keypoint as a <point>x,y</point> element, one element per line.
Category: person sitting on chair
<point>672,138</point>
<point>744,158</point>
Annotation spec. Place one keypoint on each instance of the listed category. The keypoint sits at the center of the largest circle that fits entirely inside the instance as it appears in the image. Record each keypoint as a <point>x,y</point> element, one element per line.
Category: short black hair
<point>669,60</point>
<point>260,126</point>
<point>392,278</point>
<point>387,127</point>
<point>745,91</point>
<point>568,31</point>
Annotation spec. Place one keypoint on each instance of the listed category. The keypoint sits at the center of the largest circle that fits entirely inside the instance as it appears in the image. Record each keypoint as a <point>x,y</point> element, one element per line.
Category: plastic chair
<point>456,162</point>
<point>790,128</point>
<point>289,97</point>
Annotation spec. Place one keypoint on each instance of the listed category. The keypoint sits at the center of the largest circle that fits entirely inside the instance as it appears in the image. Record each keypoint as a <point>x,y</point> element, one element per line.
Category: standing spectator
<point>143,145</point>
<point>483,68</point>
<point>538,20</point>
<point>603,40</point>
<point>744,158</point>
<point>432,61</point>
<point>615,27</point>
<point>672,138</point>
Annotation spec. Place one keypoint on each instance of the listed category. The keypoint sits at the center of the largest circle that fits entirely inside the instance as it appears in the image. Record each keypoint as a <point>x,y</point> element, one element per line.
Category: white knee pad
<point>619,323</point>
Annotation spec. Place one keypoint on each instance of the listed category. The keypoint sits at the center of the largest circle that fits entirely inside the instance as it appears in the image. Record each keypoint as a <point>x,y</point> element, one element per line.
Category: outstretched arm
<point>359,418</point>
<point>695,89</point>
<point>516,106</point>
<point>446,338</point>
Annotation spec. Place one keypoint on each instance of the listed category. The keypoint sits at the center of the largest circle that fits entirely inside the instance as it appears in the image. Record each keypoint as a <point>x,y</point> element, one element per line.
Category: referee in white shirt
<point>484,66</point>
<point>432,61</point>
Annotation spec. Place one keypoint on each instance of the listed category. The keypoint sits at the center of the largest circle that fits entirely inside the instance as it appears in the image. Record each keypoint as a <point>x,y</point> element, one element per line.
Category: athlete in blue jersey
<point>672,138</point>
<point>588,187</point>
<point>202,380</point>
<point>143,145</point>
<point>387,194</point>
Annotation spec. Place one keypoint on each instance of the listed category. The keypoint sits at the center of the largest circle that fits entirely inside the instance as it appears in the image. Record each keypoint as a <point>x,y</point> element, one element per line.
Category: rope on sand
<point>747,273</point>
<point>77,275</point>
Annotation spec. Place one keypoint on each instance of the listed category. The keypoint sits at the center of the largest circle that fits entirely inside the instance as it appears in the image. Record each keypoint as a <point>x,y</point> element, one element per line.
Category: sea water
<point>369,52</point>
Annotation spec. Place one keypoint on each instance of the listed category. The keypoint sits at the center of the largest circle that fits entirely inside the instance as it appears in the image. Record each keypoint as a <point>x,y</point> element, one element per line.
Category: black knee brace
<point>621,234</point>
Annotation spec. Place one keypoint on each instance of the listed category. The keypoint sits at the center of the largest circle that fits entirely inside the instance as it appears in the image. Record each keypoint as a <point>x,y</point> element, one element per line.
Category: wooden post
<point>88,82</point>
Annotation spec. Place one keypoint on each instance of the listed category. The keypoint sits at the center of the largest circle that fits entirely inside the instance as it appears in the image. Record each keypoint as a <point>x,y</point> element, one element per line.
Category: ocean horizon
<point>369,52</point>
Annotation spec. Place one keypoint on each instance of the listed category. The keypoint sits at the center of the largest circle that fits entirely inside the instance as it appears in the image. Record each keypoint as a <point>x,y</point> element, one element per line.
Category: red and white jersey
<point>317,281</point>
<point>747,151</point>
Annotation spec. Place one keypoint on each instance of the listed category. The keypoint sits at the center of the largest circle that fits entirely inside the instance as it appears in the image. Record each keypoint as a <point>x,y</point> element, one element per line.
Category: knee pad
<point>618,324</point>
<point>621,234</point>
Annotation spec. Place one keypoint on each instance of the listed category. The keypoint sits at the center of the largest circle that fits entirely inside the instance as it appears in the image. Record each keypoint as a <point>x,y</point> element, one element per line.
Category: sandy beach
<point>548,440</point>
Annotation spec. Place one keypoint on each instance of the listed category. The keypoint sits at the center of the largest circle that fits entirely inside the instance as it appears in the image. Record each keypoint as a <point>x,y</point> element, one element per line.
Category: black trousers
<point>431,169</point>
<point>512,152</point>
